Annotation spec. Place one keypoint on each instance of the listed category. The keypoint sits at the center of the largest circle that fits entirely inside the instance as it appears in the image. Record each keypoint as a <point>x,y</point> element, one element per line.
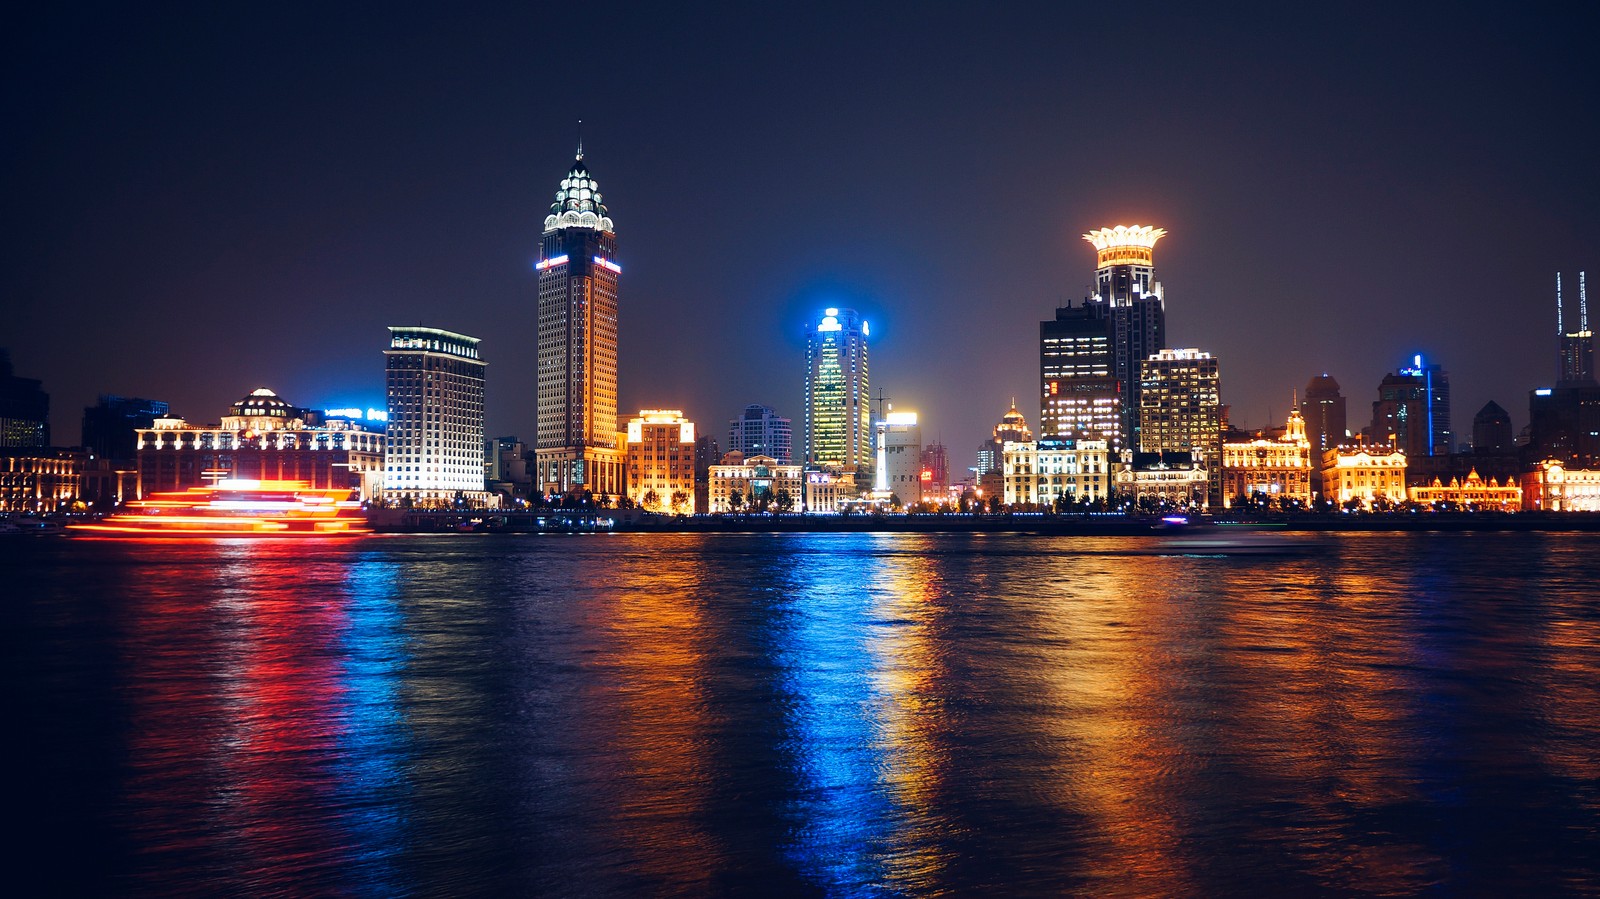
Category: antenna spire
<point>1561,329</point>
<point>580,145</point>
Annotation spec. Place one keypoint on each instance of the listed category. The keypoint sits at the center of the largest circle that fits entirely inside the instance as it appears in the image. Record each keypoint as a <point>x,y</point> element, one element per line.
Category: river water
<point>807,714</point>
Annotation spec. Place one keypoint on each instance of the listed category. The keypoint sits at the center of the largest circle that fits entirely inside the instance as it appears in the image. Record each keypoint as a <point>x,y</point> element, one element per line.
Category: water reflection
<point>824,714</point>
<point>265,755</point>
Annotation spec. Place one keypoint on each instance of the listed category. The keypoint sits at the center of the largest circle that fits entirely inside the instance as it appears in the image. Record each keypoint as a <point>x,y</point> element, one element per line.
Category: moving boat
<point>239,507</point>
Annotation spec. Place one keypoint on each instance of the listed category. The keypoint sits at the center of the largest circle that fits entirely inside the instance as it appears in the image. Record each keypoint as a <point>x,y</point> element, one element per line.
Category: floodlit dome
<point>262,401</point>
<point>578,201</point>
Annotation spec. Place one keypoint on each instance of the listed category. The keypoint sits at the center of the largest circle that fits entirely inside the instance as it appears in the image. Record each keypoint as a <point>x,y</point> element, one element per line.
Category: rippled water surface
<point>826,714</point>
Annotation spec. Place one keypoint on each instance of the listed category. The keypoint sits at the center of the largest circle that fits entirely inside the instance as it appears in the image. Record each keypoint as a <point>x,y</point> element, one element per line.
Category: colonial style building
<point>1041,472</point>
<point>1364,474</point>
<point>754,481</point>
<point>1280,469</point>
<point>1474,493</point>
<point>262,437</point>
<point>1552,487</point>
<point>1177,478</point>
<point>40,479</point>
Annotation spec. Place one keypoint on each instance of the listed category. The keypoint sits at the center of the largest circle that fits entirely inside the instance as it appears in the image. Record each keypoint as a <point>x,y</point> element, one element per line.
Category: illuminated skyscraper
<point>1125,284</point>
<point>1079,394</point>
<point>1181,410</point>
<point>576,446</point>
<point>838,411</point>
<point>434,445</point>
<point>1412,412</point>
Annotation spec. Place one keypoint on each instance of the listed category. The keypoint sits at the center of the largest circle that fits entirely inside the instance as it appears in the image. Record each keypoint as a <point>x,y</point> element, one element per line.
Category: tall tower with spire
<point>576,446</point>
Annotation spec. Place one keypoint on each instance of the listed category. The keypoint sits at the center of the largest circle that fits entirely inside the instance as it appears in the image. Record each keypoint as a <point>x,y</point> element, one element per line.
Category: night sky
<point>203,201</point>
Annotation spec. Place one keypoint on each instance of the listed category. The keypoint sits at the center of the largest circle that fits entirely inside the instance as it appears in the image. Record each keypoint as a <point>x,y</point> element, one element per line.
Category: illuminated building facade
<point>1412,412</point>
<point>262,437</point>
<point>1051,469</point>
<point>660,461</point>
<point>24,409</point>
<point>1474,494</point>
<point>761,431</point>
<point>1079,394</point>
<point>828,488</point>
<point>1013,428</point>
<point>899,464</point>
<point>576,446</point>
<point>1279,468</point>
<point>1126,288</point>
<point>838,414</point>
<point>36,479</point>
<point>434,387</point>
<point>1173,478</point>
<point>1363,474</point>
<point>1181,409</point>
<point>936,471</point>
<point>1553,487</point>
<point>755,482</point>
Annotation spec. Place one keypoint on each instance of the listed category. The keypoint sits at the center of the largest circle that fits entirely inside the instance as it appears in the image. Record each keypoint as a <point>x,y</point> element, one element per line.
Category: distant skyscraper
<point>1491,430</point>
<point>24,409</point>
<point>1181,409</point>
<point>1324,410</point>
<point>576,447</point>
<point>761,431</point>
<point>434,445</point>
<point>1125,283</point>
<point>1576,365</point>
<point>1079,393</point>
<point>1413,410</point>
<point>838,414</point>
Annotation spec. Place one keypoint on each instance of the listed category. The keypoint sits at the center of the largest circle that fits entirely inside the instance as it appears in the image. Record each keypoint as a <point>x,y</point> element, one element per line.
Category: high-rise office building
<point>1412,412</point>
<point>838,412</point>
<point>576,447</point>
<point>761,431</point>
<point>1181,409</point>
<point>24,409</point>
<point>434,446</point>
<point>1080,396</point>
<point>1491,430</point>
<point>1564,421</point>
<point>1324,411</point>
<point>1125,284</point>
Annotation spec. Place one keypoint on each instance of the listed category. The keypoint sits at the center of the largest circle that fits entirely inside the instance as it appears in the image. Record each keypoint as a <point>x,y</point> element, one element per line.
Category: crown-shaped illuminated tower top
<point>1129,297</point>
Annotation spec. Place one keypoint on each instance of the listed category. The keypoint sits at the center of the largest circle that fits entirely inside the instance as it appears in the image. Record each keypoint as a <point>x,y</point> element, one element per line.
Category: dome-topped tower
<point>1013,427</point>
<point>578,202</point>
<point>262,410</point>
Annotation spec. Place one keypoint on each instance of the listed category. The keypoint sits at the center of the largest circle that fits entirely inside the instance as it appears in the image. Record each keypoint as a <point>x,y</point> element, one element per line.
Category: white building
<point>434,446</point>
<point>899,464</point>
<point>1039,472</point>
<point>754,482</point>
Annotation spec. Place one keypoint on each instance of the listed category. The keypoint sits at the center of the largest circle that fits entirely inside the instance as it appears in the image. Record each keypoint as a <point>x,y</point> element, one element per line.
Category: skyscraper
<point>838,411</point>
<point>1181,409</point>
<point>761,431</point>
<point>576,446</point>
<point>1079,393</point>
<point>1125,283</point>
<point>1576,365</point>
<point>434,446</point>
<point>24,408</point>
<point>1325,414</point>
<point>1413,410</point>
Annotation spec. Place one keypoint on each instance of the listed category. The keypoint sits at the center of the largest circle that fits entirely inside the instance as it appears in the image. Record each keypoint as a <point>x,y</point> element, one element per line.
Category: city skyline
<point>177,225</point>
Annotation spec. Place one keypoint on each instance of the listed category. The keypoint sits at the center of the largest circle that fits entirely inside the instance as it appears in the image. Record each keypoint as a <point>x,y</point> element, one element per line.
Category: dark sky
<point>201,201</point>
